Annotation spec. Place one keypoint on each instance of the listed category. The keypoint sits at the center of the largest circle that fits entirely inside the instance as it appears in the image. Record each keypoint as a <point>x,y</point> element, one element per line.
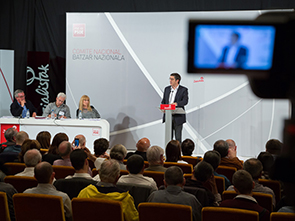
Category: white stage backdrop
<point>6,81</point>
<point>123,62</point>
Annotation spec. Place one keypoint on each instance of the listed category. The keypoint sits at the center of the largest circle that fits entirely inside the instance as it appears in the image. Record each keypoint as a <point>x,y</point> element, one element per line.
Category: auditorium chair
<point>14,168</point>
<point>63,171</point>
<point>220,183</point>
<point>263,199</point>
<point>94,172</point>
<point>186,168</point>
<point>226,214</point>
<point>96,209</point>
<point>157,176</point>
<point>140,193</point>
<point>192,160</point>
<point>164,211</point>
<point>275,216</point>
<point>43,151</point>
<point>226,171</point>
<point>21,183</point>
<point>275,185</point>
<point>43,207</point>
<point>4,210</point>
<point>91,164</point>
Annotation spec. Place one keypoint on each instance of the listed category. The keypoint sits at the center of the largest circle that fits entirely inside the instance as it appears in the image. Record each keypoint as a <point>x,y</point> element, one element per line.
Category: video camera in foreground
<point>263,49</point>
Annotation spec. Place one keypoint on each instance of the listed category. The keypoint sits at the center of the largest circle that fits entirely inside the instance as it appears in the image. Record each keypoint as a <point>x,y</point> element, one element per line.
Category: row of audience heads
<point>155,154</point>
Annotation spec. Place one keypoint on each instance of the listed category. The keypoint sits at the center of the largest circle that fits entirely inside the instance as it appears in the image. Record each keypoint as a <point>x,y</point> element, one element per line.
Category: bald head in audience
<point>143,144</point>
<point>65,149</point>
<point>44,173</point>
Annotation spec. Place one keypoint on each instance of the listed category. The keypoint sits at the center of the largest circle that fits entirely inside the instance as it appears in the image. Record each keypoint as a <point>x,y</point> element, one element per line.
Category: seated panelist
<point>58,108</point>
<point>20,105</point>
<point>85,108</point>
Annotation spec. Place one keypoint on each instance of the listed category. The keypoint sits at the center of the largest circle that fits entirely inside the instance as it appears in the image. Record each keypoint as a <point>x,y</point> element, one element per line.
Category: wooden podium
<point>169,110</point>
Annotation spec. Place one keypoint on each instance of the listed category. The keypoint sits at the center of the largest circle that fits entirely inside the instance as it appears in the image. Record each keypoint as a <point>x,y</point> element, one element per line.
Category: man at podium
<point>177,95</point>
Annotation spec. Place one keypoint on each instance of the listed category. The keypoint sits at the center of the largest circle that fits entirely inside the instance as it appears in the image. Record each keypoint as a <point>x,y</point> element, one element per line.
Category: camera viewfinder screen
<point>248,47</point>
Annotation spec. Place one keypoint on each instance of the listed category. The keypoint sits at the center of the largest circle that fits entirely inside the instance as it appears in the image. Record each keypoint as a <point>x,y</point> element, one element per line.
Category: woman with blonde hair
<point>85,108</point>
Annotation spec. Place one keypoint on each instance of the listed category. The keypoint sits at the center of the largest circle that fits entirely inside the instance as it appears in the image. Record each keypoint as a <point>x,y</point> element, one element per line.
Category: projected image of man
<point>234,55</point>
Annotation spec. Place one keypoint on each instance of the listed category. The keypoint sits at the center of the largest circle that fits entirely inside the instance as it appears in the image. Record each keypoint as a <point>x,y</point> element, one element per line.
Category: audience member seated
<point>243,185</point>
<point>44,139</point>
<point>106,189</point>
<point>174,181</point>
<point>10,191</point>
<point>135,166</point>
<point>59,108</point>
<point>86,109</point>
<point>203,173</point>
<point>118,152</point>
<point>78,159</point>
<point>45,176</point>
<point>254,167</point>
<point>155,157</point>
<point>52,154</point>
<point>82,141</point>
<point>9,145</point>
<point>11,153</point>
<point>100,147</point>
<point>28,145</point>
<point>64,151</point>
<point>31,159</point>
<point>228,155</point>
<point>213,158</point>
<point>187,147</point>
<point>267,161</point>
<point>142,146</point>
<point>72,185</point>
<point>274,147</point>
<point>173,152</point>
<point>287,203</point>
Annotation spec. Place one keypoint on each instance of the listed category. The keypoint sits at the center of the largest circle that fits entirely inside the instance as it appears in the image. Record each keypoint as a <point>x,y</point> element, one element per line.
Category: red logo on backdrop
<point>79,30</point>
<point>201,80</point>
<point>167,107</point>
<point>96,132</point>
<point>4,127</point>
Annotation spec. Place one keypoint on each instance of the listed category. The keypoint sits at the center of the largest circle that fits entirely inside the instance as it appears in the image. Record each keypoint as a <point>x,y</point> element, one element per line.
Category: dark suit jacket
<point>181,98</point>
<point>240,58</point>
<point>16,109</point>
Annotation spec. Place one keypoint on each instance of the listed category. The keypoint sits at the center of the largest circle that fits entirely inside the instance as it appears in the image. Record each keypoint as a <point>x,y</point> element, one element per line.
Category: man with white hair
<point>58,107</point>
<point>155,157</point>
<point>31,158</point>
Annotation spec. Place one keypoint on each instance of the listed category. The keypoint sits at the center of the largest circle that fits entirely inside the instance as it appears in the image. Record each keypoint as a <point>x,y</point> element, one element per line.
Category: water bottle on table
<point>80,115</point>
<point>28,114</point>
<point>52,114</point>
